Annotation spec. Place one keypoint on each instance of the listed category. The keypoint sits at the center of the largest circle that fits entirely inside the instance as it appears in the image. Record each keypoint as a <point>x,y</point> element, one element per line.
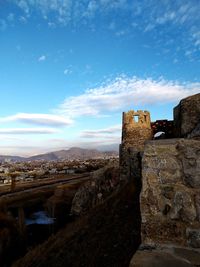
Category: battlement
<point>138,118</point>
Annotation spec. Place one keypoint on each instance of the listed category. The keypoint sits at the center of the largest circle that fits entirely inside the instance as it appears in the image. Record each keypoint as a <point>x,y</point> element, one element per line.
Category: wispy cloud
<point>61,9</point>
<point>42,58</point>
<point>102,133</point>
<point>38,119</point>
<point>120,33</point>
<point>23,19</point>
<point>68,71</point>
<point>24,5</point>
<point>66,10</point>
<point>51,25</point>
<point>145,15</point>
<point>196,37</point>
<point>125,91</point>
<point>176,12</point>
<point>28,131</point>
<point>181,16</point>
<point>149,27</point>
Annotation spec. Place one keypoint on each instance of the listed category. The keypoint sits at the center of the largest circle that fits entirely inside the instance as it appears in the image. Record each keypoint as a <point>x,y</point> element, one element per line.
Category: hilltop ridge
<point>69,154</point>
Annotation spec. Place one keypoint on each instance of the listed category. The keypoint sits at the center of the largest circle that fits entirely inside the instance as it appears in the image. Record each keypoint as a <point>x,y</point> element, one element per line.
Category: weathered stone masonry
<point>170,197</point>
<point>187,117</point>
<point>136,129</point>
<point>170,173</point>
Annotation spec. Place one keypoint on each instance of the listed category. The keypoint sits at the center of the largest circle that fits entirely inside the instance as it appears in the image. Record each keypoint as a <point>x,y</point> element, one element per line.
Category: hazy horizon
<point>106,148</point>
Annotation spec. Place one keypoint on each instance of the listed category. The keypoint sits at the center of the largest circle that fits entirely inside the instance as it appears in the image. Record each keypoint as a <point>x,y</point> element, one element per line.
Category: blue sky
<point>69,68</point>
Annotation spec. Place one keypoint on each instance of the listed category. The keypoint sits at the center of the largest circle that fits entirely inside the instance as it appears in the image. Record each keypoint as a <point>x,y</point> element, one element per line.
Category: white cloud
<point>66,11</point>
<point>126,91</point>
<point>91,8</point>
<point>22,19</point>
<point>102,133</point>
<point>28,131</point>
<point>67,71</point>
<point>169,17</point>
<point>114,4</point>
<point>196,37</point>
<point>61,9</point>
<point>42,58</point>
<point>38,119</point>
<point>149,27</point>
<point>183,15</point>
<point>120,33</point>
<point>24,4</point>
<point>51,25</point>
<point>176,12</point>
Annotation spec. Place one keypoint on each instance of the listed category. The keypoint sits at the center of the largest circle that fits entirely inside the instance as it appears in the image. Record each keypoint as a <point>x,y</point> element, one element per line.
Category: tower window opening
<point>136,118</point>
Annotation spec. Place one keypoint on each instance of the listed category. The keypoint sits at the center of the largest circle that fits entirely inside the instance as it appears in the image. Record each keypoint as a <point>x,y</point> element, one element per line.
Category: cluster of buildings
<point>40,169</point>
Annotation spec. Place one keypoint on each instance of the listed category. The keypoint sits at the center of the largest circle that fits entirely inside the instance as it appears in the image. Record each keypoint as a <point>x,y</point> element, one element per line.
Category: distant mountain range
<point>70,154</point>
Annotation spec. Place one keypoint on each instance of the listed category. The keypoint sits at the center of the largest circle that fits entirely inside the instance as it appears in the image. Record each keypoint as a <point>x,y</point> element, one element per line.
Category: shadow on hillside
<point>108,236</point>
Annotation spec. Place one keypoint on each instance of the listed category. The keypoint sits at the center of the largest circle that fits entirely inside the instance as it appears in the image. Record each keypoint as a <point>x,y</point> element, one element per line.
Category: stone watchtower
<point>136,129</point>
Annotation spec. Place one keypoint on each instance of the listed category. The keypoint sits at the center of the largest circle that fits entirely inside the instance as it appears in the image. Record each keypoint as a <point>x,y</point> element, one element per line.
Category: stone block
<point>187,115</point>
<point>196,132</point>
<point>183,207</point>
<point>189,155</point>
<point>193,236</point>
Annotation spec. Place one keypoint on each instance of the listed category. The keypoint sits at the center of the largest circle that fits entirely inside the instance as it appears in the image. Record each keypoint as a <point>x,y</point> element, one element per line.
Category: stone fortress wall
<point>169,173</point>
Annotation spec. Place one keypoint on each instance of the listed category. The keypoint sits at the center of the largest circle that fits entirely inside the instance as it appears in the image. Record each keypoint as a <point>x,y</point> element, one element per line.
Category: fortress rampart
<point>167,172</point>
